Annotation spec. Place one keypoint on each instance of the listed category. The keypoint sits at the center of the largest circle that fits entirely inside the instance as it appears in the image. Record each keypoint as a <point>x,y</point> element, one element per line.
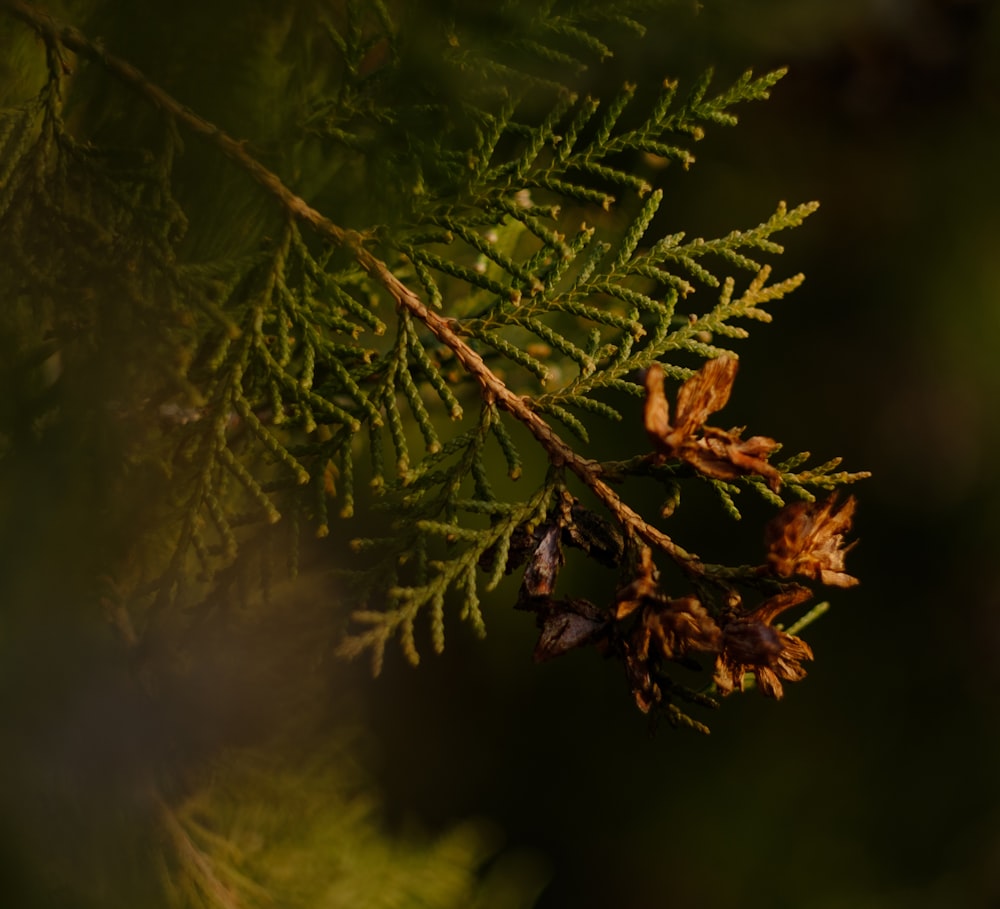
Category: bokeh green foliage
<point>256,378</point>
<point>853,759</point>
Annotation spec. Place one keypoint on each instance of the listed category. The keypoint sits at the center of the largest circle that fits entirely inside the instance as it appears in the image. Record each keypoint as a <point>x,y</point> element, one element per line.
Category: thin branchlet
<point>508,286</point>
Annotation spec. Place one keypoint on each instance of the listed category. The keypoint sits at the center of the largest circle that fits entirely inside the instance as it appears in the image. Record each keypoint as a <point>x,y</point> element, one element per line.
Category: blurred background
<point>874,783</point>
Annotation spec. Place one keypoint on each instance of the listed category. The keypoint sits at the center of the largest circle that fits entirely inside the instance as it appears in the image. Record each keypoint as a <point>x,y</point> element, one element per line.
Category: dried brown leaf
<point>749,643</point>
<point>545,565</point>
<point>706,392</point>
<point>566,625</point>
<point>806,539</point>
<point>717,453</point>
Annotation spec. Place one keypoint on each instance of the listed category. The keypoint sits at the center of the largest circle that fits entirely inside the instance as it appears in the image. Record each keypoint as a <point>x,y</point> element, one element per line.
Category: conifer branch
<point>56,33</point>
<point>281,388</point>
<point>492,388</point>
<point>205,878</point>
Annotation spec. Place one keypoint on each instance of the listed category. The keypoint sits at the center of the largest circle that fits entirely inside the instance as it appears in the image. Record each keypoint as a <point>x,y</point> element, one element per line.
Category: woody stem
<point>491,386</point>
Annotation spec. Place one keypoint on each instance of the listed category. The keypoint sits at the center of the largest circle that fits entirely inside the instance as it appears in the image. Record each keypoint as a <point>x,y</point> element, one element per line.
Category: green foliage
<point>390,306</point>
<point>253,841</point>
<point>290,365</point>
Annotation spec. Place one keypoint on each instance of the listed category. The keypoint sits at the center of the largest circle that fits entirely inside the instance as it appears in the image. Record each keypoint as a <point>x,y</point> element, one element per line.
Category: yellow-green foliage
<point>304,264</point>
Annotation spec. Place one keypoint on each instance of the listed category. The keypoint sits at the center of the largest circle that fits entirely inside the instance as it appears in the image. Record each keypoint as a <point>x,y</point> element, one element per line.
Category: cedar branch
<point>492,387</point>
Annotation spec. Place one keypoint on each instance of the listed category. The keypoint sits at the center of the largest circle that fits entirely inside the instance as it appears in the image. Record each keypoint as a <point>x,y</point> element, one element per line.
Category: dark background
<point>874,783</point>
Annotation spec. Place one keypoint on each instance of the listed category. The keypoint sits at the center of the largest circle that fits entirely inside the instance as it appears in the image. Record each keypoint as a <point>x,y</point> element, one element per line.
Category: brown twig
<point>492,387</point>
